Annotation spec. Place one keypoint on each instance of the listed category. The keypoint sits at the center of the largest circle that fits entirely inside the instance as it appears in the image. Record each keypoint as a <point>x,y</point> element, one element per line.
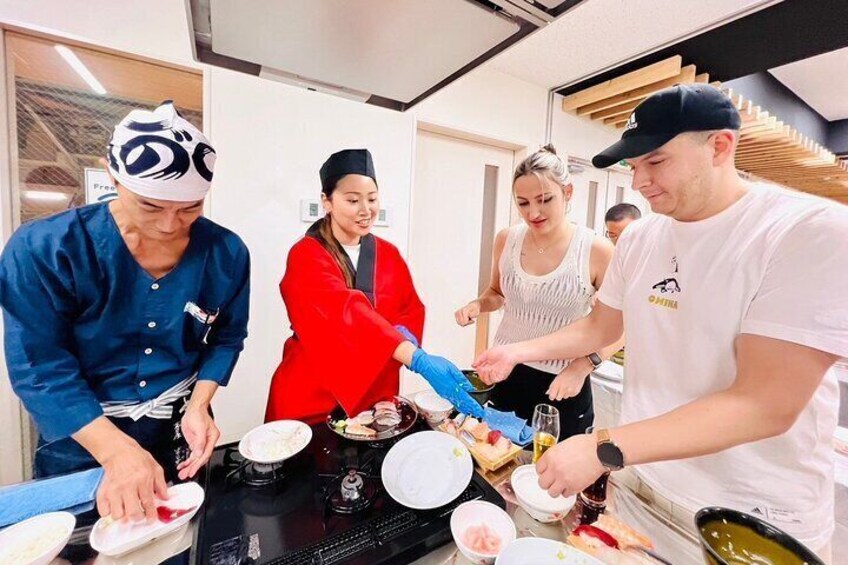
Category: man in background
<point>619,217</point>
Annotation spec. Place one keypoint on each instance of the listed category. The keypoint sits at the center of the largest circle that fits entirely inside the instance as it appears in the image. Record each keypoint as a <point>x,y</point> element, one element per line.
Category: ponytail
<point>329,242</point>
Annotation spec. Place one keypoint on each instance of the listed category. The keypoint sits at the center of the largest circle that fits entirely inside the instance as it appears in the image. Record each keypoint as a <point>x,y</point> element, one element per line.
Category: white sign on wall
<point>98,186</point>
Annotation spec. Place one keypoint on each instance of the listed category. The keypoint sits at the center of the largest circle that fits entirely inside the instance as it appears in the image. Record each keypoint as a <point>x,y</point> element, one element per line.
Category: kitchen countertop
<point>528,527</point>
<point>678,547</point>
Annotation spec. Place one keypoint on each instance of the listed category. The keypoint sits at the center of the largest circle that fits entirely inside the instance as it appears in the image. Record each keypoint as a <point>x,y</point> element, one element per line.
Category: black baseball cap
<point>667,113</point>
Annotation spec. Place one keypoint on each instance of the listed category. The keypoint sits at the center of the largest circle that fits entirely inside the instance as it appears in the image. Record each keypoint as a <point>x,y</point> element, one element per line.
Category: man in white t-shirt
<point>734,300</point>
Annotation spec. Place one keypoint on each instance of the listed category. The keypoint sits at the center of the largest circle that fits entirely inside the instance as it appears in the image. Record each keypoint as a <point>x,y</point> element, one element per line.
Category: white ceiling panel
<point>600,34</point>
<point>821,82</point>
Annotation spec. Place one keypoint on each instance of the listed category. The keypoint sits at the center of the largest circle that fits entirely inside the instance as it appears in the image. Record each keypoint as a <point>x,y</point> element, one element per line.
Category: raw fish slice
<point>364,418</point>
<point>386,404</point>
<point>356,429</point>
<point>388,421</point>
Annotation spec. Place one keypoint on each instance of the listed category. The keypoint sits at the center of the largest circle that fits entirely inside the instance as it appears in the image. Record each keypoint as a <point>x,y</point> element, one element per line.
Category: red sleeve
<point>345,339</point>
<point>412,311</point>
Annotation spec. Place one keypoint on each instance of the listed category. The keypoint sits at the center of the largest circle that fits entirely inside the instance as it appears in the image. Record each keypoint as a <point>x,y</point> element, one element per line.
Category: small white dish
<point>37,540</point>
<point>275,441</point>
<point>116,538</point>
<point>434,408</point>
<point>540,551</point>
<point>536,501</point>
<point>477,513</point>
<point>427,470</point>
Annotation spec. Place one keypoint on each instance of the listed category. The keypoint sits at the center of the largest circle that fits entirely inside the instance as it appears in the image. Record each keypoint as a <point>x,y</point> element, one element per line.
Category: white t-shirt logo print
<point>670,284</point>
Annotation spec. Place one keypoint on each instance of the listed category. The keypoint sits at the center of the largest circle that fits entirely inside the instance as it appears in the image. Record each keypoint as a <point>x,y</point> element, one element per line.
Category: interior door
<point>620,189</point>
<point>589,197</point>
<point>460,199</point>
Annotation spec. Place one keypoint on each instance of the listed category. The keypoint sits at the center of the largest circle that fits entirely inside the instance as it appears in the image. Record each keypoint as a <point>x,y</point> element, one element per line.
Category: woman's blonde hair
<point>544,163</point>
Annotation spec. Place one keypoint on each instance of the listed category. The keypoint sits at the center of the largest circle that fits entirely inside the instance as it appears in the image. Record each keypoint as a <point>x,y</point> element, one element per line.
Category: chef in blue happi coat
<point>122,319</point>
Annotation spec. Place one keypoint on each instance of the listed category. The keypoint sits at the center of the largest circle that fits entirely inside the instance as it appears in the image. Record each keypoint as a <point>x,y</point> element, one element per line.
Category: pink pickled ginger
<point>482,539</point>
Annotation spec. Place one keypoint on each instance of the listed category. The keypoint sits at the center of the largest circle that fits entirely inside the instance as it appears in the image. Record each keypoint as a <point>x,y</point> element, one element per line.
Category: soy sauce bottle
<point>593,499</point>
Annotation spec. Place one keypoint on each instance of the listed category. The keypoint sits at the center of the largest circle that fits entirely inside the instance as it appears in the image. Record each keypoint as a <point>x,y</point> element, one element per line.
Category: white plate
<point>116,538</point>
<point>427,470</point>
<point>37,540</point>
<point>275,441</point>
<point>539,551</point>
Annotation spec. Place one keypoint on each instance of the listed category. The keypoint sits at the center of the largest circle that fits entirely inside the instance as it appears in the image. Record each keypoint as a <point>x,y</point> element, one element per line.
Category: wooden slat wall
<point>775,151</point>
<point>768,148</point>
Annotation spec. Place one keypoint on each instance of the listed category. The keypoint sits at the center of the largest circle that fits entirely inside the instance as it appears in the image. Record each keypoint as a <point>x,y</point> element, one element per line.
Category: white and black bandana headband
<point>160,155</point>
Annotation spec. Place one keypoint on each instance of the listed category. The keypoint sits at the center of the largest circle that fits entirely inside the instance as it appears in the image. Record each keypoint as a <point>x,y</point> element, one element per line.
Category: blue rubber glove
<point>447,380</point>
<point>407,335</point>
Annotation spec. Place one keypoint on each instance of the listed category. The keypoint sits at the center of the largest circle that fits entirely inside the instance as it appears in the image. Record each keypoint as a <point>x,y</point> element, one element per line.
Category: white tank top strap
<point>512,247</point>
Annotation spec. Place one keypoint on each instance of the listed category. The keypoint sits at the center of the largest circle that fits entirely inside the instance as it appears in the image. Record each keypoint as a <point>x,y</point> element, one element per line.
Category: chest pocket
<point>199,326</point>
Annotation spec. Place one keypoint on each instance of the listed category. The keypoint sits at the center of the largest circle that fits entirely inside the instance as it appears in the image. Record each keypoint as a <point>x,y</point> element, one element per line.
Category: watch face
<point>595,359</point>
<point>611,456</point>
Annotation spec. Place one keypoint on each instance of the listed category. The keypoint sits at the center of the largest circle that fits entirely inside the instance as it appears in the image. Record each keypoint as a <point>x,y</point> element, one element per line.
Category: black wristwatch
<point>594,359</point>
<point>609,454</point>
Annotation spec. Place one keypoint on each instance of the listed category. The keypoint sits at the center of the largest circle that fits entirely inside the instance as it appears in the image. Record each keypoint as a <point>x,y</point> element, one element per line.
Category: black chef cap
<point>346,162</point>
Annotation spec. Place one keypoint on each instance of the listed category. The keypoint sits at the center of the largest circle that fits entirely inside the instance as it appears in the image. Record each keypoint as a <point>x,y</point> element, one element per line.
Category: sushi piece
<point>480,432</point>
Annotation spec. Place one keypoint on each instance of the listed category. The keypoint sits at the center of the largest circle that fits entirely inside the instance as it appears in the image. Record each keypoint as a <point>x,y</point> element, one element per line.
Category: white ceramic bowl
<point>434,408</point>
<point>275,441</point>
<point>539,551</point>
<point>479,512</point>
<point>536,501</point>
<point>38,540</point>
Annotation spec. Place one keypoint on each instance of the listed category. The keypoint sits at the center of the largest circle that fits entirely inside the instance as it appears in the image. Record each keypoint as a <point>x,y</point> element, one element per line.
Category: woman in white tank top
<point>544,274</point>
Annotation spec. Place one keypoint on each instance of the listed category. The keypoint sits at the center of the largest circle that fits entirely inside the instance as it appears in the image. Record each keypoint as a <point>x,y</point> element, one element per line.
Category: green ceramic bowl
<point>482,391</point>
<point>729,537</point>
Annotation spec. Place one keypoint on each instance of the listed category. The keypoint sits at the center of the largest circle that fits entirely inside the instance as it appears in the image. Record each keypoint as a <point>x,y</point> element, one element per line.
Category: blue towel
<point>510,425</point>
<point>74,493</point>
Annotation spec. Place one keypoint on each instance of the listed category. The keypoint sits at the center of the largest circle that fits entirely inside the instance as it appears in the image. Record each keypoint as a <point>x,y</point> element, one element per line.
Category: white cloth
<point>535,306</point>
<point>159,408</point>
<point>161,155</point>
<point>772,264</point>
<point>353,252</point>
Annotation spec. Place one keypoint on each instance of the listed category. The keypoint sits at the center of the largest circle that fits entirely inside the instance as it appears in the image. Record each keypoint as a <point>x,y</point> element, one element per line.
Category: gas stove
<point>325,506</point>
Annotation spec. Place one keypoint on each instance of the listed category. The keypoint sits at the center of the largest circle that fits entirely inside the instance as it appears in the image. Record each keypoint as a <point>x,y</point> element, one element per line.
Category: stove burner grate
<point>241,470</point>
<point>372,533</point>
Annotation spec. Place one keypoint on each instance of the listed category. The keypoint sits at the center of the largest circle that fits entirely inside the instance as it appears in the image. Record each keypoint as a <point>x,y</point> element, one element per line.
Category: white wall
<point>271,139</point>
<point>492,104</point>
<point>579,137</point>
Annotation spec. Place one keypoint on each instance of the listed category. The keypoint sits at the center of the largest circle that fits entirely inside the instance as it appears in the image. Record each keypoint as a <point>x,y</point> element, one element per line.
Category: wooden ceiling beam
<point>620,109</point>
<point>662,70</point>
<point>686,75</point>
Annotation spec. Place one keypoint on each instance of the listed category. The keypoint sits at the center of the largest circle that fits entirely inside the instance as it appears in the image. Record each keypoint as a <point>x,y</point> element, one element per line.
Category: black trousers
<point>526,387</point>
